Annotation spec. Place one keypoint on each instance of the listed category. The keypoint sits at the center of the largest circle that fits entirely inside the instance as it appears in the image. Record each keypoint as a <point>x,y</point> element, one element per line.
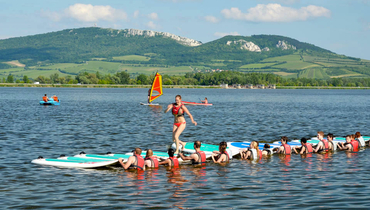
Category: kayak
<point>50,103</point>
<point>195,103</point>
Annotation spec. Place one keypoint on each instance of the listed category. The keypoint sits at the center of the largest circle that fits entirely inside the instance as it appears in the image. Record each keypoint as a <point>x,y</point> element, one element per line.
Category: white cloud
<point>90,13</point>
<point>282,1</point>
<point>136,14</point>
<point>211,19</point>
<point>221,34</point>
<point>152,25</point>
<point>153,16</point>
<point>276,13</point>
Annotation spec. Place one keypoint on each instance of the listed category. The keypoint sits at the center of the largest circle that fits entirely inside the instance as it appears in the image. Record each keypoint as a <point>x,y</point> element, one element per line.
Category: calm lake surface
<point>102,120</point>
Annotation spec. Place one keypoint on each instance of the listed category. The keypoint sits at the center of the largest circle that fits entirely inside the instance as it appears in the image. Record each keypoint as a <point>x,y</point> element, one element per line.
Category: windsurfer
<point>178,110</point>
<point>150,89</point>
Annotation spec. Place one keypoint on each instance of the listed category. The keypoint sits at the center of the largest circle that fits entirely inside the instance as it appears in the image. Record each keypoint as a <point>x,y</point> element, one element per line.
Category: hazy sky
<point>342,26</point>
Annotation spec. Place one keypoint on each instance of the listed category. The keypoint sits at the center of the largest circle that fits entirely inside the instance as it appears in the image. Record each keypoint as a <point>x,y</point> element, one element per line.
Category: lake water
<point>103,120</point>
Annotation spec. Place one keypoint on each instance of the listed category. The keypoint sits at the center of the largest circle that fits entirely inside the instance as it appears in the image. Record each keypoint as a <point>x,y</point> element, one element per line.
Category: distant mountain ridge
<point>257,53</point>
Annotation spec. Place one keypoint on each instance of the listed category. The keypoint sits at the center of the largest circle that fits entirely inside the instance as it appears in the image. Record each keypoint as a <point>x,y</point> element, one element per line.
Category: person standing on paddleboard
<point>178,110</point>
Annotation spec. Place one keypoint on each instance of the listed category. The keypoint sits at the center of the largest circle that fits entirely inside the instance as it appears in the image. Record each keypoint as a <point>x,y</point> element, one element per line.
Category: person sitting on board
<point>252,153</point>
<point>350,145</point>
<point>266,150</point>
<point>55,98</point>
<point>284,148</point>
<point>205,101</point>
<point>323,145</point>
<point>150,90</point>
<point>150,160</point>
<point>332,144</point>
<point>45,98</point>
<point>360,139</point>
<point>136,161</point>
<point>198,157</point>
<point>221,156</point>
<point>178,110</point>
<point>306,148</point>
<point>171,161</point>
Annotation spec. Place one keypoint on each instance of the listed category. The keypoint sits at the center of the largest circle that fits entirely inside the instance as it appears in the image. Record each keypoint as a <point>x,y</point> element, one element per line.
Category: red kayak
<point>195,103</point>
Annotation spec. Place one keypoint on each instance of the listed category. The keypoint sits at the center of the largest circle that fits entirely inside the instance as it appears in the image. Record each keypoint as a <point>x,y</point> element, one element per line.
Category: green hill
<point>72,51</point>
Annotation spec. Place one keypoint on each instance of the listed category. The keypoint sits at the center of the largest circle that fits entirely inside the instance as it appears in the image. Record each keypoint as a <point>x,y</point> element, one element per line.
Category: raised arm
<point>188,113</point>
<point>168,108</point>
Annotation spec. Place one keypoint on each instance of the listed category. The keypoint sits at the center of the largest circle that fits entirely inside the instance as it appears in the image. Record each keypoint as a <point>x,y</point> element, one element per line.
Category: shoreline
<point>164,86</point>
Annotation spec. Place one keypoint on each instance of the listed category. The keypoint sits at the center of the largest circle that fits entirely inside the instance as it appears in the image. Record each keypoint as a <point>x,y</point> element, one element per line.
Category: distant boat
<point>156,89</point>
<point>50,103</point>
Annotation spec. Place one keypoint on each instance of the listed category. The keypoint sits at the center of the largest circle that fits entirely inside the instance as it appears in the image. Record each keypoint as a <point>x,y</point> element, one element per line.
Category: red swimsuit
<point>175,111</point>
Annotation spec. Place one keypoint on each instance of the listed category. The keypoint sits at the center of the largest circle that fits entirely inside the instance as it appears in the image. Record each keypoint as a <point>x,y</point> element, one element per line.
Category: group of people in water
<point>46,99</point>
<point>353,143</point>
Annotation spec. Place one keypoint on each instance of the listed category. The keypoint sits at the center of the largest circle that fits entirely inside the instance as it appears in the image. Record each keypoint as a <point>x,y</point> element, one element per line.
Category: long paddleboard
<point>195,103</point>
<point>146,104</point>
<point>74,163</point>
<point>206,148</point>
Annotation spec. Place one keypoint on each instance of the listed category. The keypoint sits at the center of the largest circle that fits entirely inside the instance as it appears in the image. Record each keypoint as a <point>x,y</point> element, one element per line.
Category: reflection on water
<point>102,120</point>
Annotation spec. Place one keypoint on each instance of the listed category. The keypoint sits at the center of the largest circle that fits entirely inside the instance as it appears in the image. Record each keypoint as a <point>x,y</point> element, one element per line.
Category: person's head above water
<point>266,146</point>
<point>171,152</point>
<point>303,140</point>
<point>137,151</point>
<point>223,146</point>
<point>149,153</point>
<point>45,94</point>
<point>197,144</point>
<point>358,134</point>
<point>284,139</point>
<point>330,136</point>
<point>320,134</point>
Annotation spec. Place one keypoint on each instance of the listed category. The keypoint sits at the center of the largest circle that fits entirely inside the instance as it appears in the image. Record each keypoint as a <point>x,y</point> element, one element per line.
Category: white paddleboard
<point>93,163</point>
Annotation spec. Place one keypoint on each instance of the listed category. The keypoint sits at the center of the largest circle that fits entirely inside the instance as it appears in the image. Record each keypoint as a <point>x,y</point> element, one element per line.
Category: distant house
<point>261,86</point>
<point>225,86</point>
<point>36,83</point>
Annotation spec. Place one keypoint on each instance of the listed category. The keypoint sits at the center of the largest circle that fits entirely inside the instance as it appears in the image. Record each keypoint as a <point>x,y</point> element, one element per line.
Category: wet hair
<point>284,138</point>
<point>223,146</point>
<point>178,96</point>
<point>266,146</point>
<point>138,151</point>
<point>149,153</point>
<point>349,136</point>
<point>206,98</point>
<point>331,135</point>
<point>255,145</point>
<point>197,144</point>
<point>353,136</point>
<point>320,133</point>
<point>171,152</point>
<point>303,140</point>
<point>358,134</point>
<point>45,94</point>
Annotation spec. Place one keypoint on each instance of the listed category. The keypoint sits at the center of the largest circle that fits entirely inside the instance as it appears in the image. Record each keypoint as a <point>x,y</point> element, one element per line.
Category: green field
<point>131,58</point>
<point>257,65</point>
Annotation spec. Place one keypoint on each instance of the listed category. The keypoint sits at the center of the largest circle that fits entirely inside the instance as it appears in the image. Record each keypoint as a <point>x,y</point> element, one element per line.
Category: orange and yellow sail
<point>156,89</point>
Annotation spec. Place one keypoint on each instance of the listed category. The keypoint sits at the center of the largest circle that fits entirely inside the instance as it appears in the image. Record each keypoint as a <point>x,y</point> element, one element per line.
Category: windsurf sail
<point>156,89</point>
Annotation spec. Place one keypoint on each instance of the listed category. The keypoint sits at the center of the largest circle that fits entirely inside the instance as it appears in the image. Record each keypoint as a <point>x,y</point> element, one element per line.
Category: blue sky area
<point>342,26</point>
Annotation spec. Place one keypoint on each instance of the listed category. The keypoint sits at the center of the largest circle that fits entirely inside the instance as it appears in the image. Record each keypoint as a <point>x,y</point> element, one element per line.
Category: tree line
<point>214,78</point>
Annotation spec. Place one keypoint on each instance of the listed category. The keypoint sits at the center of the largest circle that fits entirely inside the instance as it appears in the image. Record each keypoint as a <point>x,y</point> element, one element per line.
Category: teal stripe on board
<point>204,147</point>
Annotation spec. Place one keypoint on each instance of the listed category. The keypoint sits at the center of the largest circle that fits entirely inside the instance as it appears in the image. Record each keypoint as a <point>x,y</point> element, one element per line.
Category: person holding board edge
<point>178,111</point>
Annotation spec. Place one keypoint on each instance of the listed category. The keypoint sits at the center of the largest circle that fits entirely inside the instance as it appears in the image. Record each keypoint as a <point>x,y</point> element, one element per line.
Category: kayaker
<point>150,161</point>
<point>306,148</point>
<point>221,156</point>
<point>198,157</point>
<point>45,98</point>
<point>136,161</point>
<point>253,153</point>
<point>284,148</point>
<point>205,101</point>
<point>323,145</point>
<point>55,98</point>
<point>178,110</point>
<point>171,161</point>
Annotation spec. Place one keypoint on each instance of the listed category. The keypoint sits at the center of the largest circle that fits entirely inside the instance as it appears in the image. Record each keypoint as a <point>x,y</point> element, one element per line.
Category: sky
<point>341,26</point>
